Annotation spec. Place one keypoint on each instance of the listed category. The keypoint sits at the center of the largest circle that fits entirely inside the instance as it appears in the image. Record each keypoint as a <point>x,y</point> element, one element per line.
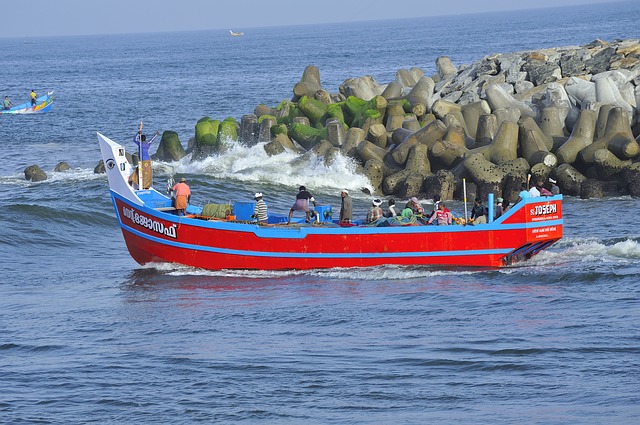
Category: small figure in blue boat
<point>302,204</point>
<point>140,140</point>
<point>346,207</point>
<point>34,98</point>
<point>260,210</point>
<point>7,103</point>
<point>183,196</point>
<point>375,213</point>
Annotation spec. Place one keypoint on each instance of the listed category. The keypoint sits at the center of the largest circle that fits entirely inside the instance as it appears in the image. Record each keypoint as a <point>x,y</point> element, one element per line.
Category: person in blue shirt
<point>144,160</point>
<point>524,193</point>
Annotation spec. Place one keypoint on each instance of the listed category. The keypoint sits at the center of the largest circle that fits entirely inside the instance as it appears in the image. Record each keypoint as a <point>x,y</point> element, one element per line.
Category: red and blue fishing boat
<point>43,104</point>
<point>154,233</point>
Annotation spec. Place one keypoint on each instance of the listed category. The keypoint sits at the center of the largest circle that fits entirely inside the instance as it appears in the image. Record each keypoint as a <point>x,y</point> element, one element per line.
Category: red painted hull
<point>153,236</point>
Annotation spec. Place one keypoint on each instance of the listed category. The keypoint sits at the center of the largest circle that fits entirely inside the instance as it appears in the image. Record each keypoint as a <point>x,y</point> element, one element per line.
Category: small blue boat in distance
<point>43,104</point>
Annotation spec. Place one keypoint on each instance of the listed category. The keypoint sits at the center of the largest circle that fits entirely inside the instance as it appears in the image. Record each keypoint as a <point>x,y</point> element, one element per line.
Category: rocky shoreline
<point>568,113</point>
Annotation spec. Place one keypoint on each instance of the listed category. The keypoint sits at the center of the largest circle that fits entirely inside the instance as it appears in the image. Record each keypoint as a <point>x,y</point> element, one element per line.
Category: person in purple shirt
<point>144,160</point>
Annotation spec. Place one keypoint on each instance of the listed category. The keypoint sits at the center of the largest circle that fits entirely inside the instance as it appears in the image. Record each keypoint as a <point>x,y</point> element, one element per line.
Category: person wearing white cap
<point>346,208</point>
<point>375,213</point>
<point>260,210</point>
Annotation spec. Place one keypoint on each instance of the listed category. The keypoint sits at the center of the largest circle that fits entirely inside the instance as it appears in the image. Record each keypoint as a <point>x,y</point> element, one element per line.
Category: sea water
<point>87,335</point>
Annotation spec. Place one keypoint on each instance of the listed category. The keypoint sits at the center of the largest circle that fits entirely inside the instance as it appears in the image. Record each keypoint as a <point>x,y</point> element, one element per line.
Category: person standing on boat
<point>260,209</point>
<point>302,203</point>
<point>145,160</point>
<point>375,213</point>
<point>7,103</point>
<point>183,195</point>
<point>34,98</point>
<point>346,207</point>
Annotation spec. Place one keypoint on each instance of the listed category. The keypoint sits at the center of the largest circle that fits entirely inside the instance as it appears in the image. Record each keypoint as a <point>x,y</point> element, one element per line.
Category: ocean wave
<point>251,164</point>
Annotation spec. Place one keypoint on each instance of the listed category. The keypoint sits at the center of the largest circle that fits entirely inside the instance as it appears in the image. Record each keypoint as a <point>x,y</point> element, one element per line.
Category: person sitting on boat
<point>524,192</point>
<point>543,190</point>
<point>555,190</point>
<point>407,212</point>
<point>499,210</point>
<point>183,195</point>
<point>7,103</point>
<point>302,204</point>
<point>436,203</point>
<point>478,213</point>
<point>392,209</point>
<point>145,160</point>
<point>375,213</point>
<point>534,192</point>
<point>346,207</point>
<point>34,97</point>
<point>260,209</point>
<point>416,207</point>
<point>442,216</point>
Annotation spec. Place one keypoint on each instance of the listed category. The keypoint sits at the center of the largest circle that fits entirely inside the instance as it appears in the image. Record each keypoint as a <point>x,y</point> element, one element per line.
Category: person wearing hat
<point>375,213</point>
<point>7,103</point>
<point>302,203</point>
<point>182,192</point>
<point>346,208</point>
<point>260,210</point>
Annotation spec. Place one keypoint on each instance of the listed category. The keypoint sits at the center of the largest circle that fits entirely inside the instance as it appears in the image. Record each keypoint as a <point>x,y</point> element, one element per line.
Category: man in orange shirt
<point>183,195</point>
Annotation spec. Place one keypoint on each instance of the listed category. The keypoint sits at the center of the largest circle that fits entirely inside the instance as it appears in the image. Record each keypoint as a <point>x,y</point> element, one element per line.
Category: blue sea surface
<point>89,336</point>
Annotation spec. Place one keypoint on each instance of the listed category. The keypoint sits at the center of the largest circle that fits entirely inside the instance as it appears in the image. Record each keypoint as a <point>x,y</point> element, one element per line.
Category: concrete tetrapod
<point>608,165</point>
<point>487,129</point>
<point>485,174</point>
<point>581,137</point>
<point>617,137</point>
<point>427,135</point>
<point>471,114</point>
<point>569,179</point>
<point>505,145</point>
<point>420,95</point>
<point>552,126</point>
<point>498,98</point>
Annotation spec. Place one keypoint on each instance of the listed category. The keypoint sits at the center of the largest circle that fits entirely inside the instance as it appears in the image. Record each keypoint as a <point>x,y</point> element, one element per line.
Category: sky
<point>39,18</point>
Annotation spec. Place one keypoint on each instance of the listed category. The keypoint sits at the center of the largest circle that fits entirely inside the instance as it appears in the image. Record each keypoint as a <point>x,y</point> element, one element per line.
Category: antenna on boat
<point>140,157</point>
<point>464,192</point>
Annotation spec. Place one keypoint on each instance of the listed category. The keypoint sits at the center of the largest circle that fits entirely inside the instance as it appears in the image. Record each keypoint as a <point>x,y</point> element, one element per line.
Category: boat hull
<point>151,237</point>
<point>43,104</point>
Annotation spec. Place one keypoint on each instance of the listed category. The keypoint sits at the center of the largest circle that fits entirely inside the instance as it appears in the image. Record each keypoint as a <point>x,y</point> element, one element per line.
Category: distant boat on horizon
<point>235,34</point>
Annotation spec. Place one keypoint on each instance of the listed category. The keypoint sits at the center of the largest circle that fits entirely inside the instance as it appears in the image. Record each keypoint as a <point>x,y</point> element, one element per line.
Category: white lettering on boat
<point>149,223</point>
<point>544,209</point>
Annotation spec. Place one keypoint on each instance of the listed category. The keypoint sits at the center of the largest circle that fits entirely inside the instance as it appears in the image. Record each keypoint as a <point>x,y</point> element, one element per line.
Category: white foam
<point>252,164</point>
